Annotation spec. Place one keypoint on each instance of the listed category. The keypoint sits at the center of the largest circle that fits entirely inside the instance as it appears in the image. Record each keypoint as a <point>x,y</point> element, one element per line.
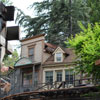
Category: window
<point>27,77</point>
<point>69,76</point>
<point>36,79</point>
<point>59,76</point>
<point>31,54</point>
<point>58,57</point>
<point>49,76</point>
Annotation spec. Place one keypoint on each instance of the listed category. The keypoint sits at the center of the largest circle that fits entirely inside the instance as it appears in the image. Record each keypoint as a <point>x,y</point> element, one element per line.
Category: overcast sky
<point>23,5</point>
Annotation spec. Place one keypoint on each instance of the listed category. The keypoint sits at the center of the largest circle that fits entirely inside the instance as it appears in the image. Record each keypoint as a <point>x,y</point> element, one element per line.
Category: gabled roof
<point>50,47</point>
<point>69,58</point>
<point>58,48</point>
<point>23,61</point>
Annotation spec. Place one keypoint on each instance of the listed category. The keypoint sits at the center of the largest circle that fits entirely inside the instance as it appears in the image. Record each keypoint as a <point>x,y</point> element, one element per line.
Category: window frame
<point>31,47</point>
<point>70,76</point>
<point>49,77</point>
<point>26,73</point>
<point>59,78</point>
<point>56,56</point>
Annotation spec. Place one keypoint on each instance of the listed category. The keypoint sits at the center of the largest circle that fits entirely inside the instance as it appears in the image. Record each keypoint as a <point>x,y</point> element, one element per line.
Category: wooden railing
<point>58,85</point>
<point>65,84</point>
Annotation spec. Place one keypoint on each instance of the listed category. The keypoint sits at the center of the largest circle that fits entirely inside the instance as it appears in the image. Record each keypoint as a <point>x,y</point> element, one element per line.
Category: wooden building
<point>42,62</point>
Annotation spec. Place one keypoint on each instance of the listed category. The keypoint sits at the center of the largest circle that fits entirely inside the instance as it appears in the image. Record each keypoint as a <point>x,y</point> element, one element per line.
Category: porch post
<point>63,75</point>
<point>33,78</point>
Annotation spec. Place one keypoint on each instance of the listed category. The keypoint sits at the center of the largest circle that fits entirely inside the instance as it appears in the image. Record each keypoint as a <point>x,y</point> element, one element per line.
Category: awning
<point>22,62</point>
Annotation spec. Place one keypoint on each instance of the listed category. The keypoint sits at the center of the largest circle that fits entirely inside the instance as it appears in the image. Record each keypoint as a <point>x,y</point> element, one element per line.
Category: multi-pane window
<point>36,79</point>
<point>49,76</point>
<point>59,76</point>
<point>58,57</point>
<point>27,77</point>
<point>31,54</point>
<point>69,76</point>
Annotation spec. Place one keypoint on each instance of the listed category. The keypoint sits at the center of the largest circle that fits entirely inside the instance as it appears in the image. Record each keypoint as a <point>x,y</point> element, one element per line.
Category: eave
<point>59,64</point>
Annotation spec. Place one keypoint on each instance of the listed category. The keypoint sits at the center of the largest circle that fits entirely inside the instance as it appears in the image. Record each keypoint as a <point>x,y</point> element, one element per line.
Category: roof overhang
<point>59,48</point>
<point>22,62</point>
<point>13,33</point>
<point>25,62</point>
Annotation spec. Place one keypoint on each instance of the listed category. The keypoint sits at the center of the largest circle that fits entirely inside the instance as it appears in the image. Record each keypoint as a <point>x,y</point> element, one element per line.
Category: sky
<point>23,5</point>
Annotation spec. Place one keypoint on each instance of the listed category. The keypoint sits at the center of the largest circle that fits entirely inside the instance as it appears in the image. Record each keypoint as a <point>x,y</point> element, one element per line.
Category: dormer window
<point>58,57</point>
<point>59,54</point>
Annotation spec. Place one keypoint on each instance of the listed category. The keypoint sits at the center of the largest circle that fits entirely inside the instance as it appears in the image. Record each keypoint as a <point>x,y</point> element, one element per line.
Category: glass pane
<point>49,76</point>
<point>27,78</point>
<point>31,51</point>
<point>36,79</point>
<point>59,76</point>
<point>69,76</point>
<point>58,56</point>
<point>31,57</point>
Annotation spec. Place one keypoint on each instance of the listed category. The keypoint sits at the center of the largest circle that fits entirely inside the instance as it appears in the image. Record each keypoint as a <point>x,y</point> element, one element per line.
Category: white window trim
<point>61,57</point>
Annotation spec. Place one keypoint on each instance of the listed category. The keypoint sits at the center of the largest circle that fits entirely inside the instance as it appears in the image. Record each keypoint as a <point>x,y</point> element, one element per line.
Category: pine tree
<point>95,10</point>
<point>6,2</point>
<point>53,19</point>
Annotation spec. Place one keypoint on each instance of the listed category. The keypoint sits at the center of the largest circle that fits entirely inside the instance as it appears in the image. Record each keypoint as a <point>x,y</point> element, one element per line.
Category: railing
<point>65,84</point>
<point>55,85</point>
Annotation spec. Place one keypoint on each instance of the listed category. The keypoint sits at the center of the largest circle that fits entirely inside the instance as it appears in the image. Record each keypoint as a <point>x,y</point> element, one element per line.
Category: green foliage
<point>95,10</point>
<point>87,48</point>
<point>10,60</point>
<point>7,2</point>
<point>53,19</point>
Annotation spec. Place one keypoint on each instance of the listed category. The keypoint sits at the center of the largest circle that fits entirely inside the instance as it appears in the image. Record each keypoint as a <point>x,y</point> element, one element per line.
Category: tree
<point>53,19</point>
<point>7,2</point>
<point>87,48</point>
<point>9,61</point>
<point>95,10</point>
